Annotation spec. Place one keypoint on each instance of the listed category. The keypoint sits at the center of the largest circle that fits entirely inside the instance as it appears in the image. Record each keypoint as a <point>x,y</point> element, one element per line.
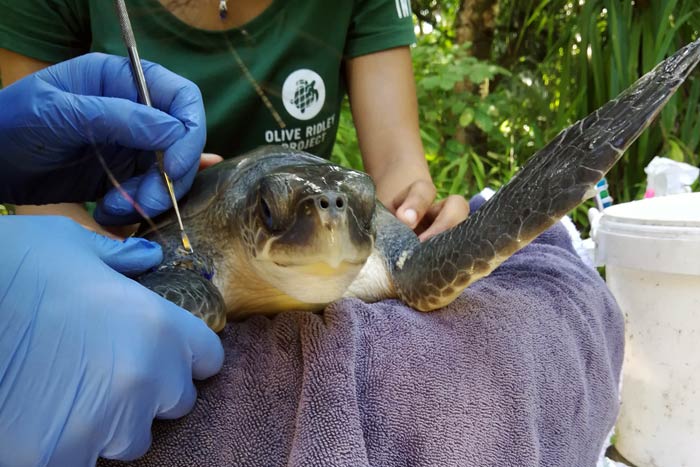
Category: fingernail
<point>410,216</point>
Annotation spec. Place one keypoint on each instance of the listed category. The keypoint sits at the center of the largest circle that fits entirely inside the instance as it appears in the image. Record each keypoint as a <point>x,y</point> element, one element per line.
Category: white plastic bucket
<point>651,253</point>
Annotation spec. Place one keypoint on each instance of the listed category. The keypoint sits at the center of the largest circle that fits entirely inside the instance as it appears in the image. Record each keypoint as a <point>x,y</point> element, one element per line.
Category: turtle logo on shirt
<point>303,94</point>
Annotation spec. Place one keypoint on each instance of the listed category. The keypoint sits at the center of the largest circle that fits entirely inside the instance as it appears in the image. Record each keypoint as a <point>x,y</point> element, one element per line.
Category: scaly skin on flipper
<point>191,291</point>
<point>185,278</point>
<point>554,181</point>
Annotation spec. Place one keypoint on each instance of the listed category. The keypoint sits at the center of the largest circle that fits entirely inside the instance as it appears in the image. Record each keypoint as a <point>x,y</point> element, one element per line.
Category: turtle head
<point>312,223</point>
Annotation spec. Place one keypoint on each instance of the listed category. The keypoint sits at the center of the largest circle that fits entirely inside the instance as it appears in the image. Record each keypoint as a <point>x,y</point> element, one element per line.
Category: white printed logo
<point>403,8</point>
<point>303,94</point>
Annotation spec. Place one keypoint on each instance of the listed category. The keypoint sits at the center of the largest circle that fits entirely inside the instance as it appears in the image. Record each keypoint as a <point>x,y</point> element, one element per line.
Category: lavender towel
<point>522,370</point>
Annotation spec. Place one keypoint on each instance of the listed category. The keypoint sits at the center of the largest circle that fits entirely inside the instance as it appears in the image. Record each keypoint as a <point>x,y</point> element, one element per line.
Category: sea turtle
<point>279,229</point>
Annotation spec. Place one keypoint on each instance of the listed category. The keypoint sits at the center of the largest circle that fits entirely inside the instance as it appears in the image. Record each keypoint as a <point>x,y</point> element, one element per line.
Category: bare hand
<point>208,159</point>
<point>442,216</point>
<point>417,209</point>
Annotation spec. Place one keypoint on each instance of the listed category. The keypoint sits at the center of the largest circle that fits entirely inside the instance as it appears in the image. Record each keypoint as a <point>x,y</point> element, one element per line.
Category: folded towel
<point>521,370</point>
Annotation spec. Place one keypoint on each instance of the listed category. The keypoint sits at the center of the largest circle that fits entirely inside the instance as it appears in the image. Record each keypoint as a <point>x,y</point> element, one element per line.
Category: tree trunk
<point>475,22</point>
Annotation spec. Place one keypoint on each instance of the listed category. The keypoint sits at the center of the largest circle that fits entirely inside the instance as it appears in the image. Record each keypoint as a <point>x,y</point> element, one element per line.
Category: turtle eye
<point>266,214</point>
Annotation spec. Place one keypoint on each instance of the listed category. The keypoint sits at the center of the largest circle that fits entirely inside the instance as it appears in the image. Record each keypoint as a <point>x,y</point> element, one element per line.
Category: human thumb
<point>418,199</point>
<point>131,256</point>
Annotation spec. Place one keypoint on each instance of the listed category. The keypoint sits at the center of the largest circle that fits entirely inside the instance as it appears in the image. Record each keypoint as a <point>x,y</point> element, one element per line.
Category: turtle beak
<point>324,231</point>
<point>331,208</point>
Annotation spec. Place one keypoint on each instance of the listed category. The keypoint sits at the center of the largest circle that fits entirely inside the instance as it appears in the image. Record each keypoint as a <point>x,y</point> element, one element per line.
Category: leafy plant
<point>615,43</point>
<point>346,151</point>
<point>593,51</point>
<point>553,62</point>
<point>440,70</point>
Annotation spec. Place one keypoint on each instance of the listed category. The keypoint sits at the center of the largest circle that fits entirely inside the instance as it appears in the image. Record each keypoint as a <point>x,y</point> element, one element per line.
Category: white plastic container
<point>651,250</point>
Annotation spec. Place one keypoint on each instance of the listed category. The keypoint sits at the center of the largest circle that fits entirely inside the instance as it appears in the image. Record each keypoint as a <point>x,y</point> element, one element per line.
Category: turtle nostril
<point>331,202</point>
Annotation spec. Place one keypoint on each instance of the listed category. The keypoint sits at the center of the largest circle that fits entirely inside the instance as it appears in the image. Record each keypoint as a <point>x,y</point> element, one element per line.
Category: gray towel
<point>521,370</point>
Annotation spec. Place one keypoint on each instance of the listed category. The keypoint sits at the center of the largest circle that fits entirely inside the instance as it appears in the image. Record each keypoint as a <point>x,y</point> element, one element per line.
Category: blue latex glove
<point>87,356</point>
<point>54,123</point>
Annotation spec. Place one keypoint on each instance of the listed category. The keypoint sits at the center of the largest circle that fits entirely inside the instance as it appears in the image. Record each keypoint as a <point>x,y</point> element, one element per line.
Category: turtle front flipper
<point>191,291</point>
<point>553,182</point>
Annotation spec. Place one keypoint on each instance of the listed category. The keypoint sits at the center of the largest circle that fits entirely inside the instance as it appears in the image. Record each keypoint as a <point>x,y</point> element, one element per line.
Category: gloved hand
<point>87,356</point>
<point>56,123</point>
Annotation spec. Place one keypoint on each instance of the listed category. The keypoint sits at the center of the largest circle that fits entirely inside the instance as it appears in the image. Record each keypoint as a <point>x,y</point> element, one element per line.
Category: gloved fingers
<point>24,443</point>
<point>153,193</point>
<point>99,74</point>
<point>182,99</point>
<point>183,405</point>
<point>131,440</point>
<point>97,97</point>
<point>182,185</point>
<point>185,153</point>
<point>92,74</point>
<point>76,445</point>
<point>205,346</point>
<point>207,352</point>
<point>171,93</point>
<point>148,191</point>
<point>130,257</point>
<point>114,121</point>
<point>76,453</point>
<point>83,433</point>
<point>117,205</point>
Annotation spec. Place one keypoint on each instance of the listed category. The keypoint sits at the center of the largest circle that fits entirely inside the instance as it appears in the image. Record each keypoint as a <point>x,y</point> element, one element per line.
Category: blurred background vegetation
<point>497,79</point>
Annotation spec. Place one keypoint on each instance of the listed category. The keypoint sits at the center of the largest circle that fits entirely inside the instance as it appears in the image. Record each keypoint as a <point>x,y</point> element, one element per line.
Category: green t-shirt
<point>292,54</point>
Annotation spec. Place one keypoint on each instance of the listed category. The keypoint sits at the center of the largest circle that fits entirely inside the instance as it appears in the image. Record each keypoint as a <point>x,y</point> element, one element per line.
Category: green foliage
<point>439,71</point>
<point>438,16</point>
<point>346,151</point>
<point>553,62</point>
<point>582,54</point>
<point>612,45</point>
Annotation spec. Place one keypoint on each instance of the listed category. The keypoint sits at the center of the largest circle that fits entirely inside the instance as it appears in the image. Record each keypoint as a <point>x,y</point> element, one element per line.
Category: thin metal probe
<point>140,79</point>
